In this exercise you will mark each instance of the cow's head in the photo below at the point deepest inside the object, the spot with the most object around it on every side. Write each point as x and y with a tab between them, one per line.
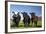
24	14
32	14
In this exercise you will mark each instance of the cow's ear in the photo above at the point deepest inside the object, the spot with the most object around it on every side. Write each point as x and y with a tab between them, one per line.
21	12
12	12
30	13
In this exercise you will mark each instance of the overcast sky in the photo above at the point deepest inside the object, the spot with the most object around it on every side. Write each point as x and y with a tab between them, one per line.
26	8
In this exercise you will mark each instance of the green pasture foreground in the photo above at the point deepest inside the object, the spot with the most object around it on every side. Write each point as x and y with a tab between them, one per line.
21	24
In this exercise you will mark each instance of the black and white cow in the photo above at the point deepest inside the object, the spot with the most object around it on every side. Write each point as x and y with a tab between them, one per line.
26	19
16	18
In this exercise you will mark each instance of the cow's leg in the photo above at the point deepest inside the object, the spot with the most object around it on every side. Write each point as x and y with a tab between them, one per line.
16	24
26	24
32	23
29	23
36	23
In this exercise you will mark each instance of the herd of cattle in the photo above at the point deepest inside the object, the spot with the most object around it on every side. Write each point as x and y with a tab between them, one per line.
26	20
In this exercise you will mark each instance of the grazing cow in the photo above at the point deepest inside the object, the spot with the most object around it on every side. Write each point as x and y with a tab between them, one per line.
34	18
26	19
16	19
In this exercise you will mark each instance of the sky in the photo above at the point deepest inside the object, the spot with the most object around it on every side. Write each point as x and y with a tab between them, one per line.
26	8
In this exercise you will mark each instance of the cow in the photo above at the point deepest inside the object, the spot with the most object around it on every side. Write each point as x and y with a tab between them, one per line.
16	18
26	19
34	18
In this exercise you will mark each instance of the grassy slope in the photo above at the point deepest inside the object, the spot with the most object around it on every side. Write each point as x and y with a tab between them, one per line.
21	24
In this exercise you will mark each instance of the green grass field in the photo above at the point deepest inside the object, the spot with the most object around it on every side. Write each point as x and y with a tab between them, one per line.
21	24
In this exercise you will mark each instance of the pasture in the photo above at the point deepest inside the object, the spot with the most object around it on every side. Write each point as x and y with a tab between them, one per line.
21	24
